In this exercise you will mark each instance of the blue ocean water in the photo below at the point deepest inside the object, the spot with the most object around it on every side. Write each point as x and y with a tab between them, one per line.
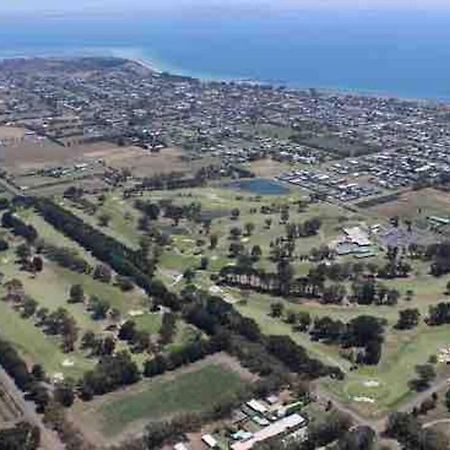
397	54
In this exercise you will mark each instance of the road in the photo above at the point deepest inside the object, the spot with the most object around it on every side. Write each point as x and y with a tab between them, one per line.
8	187
49	439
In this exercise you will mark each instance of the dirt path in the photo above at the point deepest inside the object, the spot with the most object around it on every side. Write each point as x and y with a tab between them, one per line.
436	422
49	439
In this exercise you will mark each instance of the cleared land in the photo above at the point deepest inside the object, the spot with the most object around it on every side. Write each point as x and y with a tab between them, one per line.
186	390
415	205
11	133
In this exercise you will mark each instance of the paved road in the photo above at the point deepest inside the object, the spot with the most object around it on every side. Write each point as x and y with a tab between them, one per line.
8	187
49	439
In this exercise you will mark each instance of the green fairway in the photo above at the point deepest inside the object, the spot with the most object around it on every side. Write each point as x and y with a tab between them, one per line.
36	347
122	219
52	236
188	392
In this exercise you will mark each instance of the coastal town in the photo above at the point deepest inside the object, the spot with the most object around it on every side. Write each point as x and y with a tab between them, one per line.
189	264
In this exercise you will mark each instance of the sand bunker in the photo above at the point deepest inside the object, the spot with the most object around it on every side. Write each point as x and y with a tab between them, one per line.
58	377
67	363
363	400
371	383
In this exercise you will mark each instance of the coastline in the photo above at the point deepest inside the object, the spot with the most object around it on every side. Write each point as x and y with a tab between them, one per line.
138	56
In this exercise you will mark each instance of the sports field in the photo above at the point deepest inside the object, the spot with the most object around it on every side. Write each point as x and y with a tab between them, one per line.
187	390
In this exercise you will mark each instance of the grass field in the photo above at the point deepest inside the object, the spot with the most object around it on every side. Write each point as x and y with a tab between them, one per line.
188	390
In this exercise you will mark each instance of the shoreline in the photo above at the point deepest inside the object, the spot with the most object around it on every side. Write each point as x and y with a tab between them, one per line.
137	56
329	91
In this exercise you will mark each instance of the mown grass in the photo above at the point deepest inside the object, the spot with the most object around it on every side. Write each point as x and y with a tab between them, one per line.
153	400
38	348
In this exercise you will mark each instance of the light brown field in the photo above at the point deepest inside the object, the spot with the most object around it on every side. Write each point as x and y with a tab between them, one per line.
38	153
414	204
268	168
11	133
142	163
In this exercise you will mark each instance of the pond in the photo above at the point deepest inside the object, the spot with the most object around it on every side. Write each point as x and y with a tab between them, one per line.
260	186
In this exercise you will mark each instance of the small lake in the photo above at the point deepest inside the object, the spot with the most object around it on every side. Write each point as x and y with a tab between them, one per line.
260	186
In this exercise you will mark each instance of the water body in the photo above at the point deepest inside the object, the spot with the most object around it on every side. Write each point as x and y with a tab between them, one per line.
260	186
397	54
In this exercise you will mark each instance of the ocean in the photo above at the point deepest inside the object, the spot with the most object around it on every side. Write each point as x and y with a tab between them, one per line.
389	54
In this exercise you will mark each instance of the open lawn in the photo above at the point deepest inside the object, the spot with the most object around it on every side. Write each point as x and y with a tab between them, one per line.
187	390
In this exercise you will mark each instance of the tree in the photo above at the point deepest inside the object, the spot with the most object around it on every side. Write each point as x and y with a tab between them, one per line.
168	328
37	264
76	294
127	331
447	400
303	320
235	213
249	228
285	274
189	275
14	290
125	284
64	393
155	366
99	307
235	233
276	309
23	436
104	220
405	428
408	319
102	273
256	253
23	252
204	262
359	438
426	373
284	216
29	307
89	340
38	372
213	241
3	245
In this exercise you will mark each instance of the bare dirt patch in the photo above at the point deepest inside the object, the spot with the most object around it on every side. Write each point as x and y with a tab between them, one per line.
11	133
144	163
414	204
268	168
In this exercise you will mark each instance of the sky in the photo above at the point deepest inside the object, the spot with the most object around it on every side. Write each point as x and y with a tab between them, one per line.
167	6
